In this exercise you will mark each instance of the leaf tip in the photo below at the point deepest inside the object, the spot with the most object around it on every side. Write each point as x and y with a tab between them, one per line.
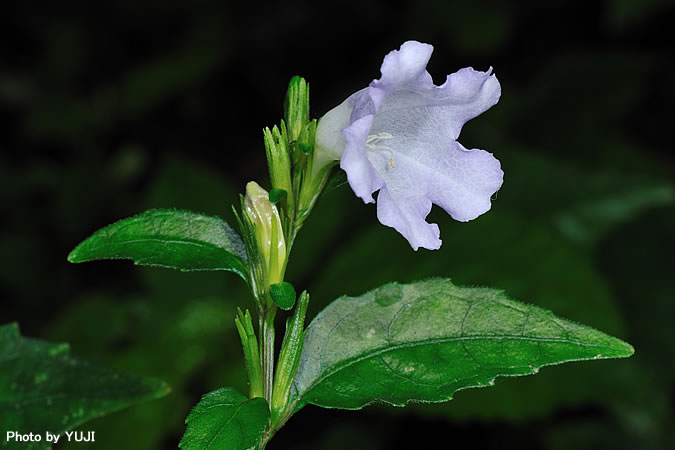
164	389
73	256
614	349
624	350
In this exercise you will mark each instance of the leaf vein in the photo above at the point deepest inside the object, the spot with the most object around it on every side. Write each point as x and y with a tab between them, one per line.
380	351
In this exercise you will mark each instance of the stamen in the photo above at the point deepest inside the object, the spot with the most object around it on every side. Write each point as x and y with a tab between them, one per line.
372	144
373	139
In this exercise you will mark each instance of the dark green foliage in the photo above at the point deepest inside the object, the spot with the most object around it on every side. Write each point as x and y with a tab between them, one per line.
43	388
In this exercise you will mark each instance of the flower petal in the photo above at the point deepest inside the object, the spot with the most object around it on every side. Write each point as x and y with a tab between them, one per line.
401	139
465	95
406	66
361	175
406	215
418	172
476	177
330	142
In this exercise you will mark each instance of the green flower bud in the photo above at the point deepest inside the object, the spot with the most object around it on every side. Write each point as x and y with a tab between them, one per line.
268	232
279	161
296	106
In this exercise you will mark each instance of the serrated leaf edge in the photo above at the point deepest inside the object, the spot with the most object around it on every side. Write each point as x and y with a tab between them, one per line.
239	257
627	349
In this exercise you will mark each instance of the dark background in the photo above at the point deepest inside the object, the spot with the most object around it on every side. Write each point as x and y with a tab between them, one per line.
111	108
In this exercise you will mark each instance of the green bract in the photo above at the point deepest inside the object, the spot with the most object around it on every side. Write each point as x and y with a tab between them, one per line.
279	162
283	295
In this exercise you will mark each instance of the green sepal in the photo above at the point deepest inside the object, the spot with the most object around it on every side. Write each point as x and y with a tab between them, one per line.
424	341
289	357
277	196
256	274
296	106
225	419
168	238
336	180
307	137
44	388
283	295
311	177
249	342
311	190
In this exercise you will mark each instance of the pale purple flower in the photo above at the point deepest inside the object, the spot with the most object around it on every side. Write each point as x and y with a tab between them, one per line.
399	136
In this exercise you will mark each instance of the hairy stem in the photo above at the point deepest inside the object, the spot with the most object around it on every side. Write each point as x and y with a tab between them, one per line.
267	350
266	323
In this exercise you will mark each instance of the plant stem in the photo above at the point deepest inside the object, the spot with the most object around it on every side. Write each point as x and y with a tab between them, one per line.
267	350
266	324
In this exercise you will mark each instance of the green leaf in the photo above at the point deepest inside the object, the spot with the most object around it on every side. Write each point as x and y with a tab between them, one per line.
495	249
43	388
173	335
283	295
168	238
424	341
225	419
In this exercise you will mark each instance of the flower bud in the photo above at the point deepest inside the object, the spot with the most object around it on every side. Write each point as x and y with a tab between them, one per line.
268	231
296	106
278	158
